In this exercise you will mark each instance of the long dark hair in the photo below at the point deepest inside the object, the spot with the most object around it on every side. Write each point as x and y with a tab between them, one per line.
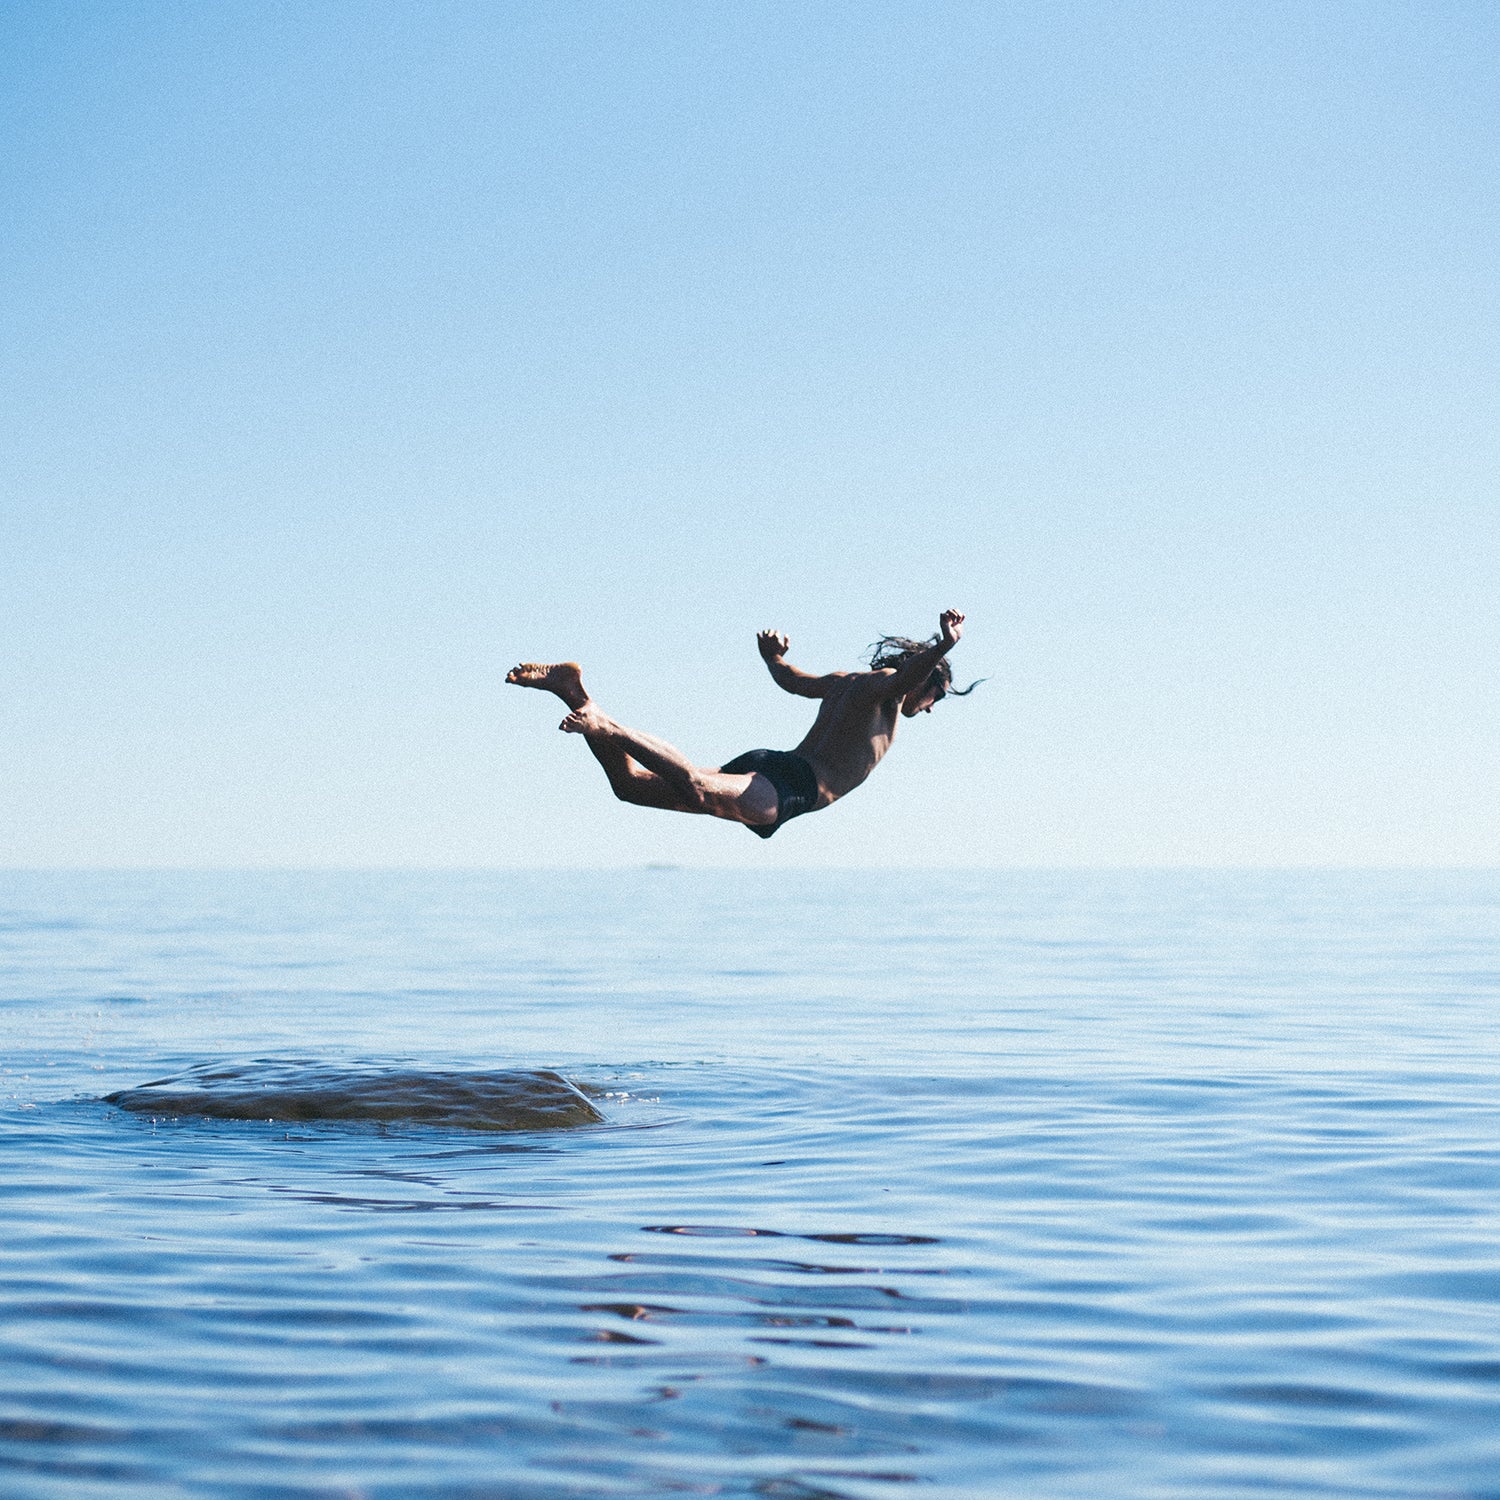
893	650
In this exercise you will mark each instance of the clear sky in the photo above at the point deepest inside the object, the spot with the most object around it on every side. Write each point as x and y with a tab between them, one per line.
353	351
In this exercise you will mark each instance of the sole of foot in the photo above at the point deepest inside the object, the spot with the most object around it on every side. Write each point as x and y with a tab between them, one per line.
565	678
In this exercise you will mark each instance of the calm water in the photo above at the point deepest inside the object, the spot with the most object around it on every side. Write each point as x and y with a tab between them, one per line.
930	1185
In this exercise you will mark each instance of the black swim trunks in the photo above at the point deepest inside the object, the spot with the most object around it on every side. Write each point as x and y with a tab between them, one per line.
795	781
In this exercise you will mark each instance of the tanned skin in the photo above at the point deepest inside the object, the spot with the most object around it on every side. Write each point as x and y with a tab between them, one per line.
858	713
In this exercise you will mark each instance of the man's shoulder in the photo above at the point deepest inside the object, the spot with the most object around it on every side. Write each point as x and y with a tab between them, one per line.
873	685
876	677
863	698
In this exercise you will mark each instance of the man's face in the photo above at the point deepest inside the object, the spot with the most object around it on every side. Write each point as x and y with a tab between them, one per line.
920	700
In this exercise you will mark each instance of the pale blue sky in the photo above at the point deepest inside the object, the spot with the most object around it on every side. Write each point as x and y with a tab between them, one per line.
354	351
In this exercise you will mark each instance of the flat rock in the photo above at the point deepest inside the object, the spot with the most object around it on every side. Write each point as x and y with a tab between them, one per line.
307	1092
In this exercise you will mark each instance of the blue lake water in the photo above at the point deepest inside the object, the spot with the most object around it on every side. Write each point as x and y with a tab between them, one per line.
874	1185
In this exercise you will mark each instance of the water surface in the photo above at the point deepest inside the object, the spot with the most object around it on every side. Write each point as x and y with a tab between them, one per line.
932	1184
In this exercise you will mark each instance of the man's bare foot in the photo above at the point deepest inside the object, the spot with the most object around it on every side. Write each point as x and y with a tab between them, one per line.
586	719
565	678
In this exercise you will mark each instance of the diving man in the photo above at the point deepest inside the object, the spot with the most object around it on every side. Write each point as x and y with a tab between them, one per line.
857	717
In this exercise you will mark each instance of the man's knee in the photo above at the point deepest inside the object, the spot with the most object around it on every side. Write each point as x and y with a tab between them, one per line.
642	789
629	788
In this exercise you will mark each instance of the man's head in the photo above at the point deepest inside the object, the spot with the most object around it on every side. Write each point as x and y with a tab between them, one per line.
893	650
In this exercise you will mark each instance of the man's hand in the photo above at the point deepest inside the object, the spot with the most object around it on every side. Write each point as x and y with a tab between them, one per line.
951	626
773	645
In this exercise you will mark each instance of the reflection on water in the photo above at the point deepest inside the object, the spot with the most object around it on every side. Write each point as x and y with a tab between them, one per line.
309	1092
935	1262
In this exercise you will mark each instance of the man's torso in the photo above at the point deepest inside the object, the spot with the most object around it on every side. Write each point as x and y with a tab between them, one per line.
851	734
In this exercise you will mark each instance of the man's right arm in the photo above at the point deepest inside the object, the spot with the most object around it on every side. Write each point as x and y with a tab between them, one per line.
773	648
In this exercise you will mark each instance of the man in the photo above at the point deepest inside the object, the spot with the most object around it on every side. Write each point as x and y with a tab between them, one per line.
856	723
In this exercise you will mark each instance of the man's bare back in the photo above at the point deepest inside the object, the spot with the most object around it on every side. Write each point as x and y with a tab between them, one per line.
858	714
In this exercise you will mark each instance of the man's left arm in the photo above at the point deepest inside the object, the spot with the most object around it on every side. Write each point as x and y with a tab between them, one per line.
915	670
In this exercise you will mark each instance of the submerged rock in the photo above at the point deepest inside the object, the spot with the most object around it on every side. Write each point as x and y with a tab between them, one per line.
307	1092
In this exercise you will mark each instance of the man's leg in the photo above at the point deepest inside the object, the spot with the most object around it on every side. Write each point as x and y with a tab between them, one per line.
631	782
741	797
643	769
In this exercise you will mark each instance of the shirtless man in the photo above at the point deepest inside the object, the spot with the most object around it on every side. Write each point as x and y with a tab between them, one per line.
856	723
